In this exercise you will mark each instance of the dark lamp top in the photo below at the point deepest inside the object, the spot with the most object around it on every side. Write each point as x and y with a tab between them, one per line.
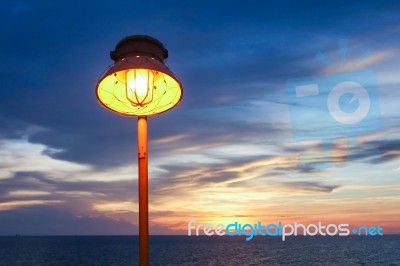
139	45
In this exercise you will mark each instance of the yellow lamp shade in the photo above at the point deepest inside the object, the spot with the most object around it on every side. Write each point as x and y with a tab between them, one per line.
139	85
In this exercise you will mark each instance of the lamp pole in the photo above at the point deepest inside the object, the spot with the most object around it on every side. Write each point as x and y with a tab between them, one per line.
143	191
140	84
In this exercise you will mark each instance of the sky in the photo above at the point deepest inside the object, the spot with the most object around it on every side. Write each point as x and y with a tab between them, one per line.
243	144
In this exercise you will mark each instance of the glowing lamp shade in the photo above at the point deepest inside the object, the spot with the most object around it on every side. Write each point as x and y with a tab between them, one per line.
139	83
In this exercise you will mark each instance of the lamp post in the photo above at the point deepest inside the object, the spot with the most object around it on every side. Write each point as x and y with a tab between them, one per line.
140	84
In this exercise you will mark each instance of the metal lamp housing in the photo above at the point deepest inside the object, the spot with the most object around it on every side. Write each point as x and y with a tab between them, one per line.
138	54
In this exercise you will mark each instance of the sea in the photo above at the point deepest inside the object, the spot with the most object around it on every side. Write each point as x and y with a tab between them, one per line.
200	250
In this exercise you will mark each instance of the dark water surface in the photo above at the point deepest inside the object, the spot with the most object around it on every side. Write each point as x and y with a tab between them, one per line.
184	250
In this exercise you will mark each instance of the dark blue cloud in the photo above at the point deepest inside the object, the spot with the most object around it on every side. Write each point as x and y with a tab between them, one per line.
53	53
57	220
63	190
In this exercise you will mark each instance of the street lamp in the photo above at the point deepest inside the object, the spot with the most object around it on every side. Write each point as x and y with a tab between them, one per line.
140	84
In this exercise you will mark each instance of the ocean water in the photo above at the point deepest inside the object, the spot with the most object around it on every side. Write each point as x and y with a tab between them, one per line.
201	250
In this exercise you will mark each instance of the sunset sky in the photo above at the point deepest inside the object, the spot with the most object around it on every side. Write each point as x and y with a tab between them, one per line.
232	150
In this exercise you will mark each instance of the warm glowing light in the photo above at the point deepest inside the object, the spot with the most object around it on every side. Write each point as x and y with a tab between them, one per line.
139	86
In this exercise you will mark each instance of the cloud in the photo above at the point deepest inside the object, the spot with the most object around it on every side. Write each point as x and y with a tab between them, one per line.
16	129
388	149
57	220
309	186
64	189
214	64
70	207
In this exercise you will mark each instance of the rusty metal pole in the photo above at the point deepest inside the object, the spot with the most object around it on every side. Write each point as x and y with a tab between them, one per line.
143	192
